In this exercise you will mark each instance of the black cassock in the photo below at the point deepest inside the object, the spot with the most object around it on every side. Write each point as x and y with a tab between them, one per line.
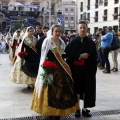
83	71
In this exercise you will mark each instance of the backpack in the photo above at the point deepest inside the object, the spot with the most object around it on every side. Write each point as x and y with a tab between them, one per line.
115	43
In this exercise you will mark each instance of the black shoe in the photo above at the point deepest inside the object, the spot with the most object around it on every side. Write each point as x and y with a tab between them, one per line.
77	114
102	68
106	71
50	118
28	86
57	118
86	113
115	70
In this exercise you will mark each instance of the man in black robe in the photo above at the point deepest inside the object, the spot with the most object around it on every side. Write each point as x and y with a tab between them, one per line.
82	59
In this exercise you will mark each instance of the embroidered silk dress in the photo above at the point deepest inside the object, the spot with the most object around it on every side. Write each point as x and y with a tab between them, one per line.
58	98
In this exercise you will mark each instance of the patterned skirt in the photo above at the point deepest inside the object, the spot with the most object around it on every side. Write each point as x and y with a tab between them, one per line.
18	76
58	98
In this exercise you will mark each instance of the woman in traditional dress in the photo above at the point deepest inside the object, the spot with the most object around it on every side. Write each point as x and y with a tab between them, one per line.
54	97
25	68
15	39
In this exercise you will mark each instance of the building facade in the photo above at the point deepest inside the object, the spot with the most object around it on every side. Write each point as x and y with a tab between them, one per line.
69	12
99	13
43	11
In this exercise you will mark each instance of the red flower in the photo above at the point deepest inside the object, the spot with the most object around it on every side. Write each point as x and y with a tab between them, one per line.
13	46
22	54
49	66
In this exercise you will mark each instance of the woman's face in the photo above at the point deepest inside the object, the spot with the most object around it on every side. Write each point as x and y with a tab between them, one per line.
30	32
57	32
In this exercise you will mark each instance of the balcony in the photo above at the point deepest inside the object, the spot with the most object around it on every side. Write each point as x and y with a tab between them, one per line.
88	7
105	18
96	5
96	19
81	9
115	16
105	2
5	1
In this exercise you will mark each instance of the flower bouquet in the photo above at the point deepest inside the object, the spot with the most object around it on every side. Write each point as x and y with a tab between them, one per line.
49	68
23	54
13	47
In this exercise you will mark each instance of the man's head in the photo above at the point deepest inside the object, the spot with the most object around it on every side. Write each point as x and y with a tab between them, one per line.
109	29
70	32
38	29
45	30
82	28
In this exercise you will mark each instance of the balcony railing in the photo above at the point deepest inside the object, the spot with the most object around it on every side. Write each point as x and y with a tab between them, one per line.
96	5
105	18
81	9
96	19
88	7
115	16
105	2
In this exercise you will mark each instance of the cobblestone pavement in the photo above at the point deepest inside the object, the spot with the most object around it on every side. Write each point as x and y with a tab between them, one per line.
15	100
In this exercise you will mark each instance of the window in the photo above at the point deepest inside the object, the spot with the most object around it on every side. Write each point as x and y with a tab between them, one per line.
81	16
115	15
105	15
88	17
72	9
66	9
81	6
95	29
66	18
115	28
14	8
105	2
116	1
96	16
20	8
72	18
96	4
88	7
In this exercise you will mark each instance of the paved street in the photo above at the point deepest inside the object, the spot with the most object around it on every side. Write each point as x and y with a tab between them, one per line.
15	100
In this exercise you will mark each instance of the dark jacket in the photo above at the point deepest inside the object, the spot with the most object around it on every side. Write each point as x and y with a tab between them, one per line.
84	76
38	34
39	44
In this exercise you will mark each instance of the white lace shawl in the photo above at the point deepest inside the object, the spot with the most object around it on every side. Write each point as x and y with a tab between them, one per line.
44	51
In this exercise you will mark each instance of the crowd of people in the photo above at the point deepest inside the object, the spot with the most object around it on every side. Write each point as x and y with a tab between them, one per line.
60	67
107	41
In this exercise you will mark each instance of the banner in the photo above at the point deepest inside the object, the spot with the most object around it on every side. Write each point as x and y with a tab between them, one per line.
60	20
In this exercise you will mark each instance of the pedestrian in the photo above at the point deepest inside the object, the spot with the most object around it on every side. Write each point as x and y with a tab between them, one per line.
82	59
54	94
115	51
13	46
25	68
106	42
